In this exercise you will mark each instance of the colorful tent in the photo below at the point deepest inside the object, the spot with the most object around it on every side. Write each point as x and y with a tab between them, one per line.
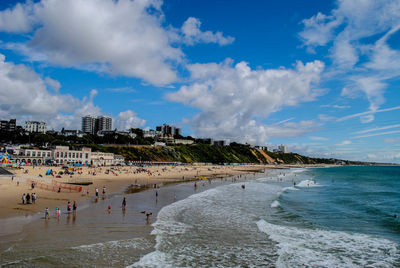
4	158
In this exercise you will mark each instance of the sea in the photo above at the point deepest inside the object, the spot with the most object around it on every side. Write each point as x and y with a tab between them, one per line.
300	217
331	217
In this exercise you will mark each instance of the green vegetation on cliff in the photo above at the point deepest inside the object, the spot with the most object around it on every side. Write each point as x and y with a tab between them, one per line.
234	153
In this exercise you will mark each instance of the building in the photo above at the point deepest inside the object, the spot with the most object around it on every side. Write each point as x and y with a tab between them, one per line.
283	149
263	148
204	141
219	143
35	126
94	124
67	132
181	141
104	123
151	133
33	156
102	159
63	155
8	125
168	130
101	133
89	124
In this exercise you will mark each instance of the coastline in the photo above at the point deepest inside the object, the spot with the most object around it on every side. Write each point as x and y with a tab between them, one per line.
115	182
12	210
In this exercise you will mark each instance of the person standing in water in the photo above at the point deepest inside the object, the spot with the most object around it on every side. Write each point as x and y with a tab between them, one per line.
69	207
46	213
74	207
124	203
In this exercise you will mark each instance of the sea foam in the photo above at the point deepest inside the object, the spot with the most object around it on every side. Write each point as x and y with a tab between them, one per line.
322	248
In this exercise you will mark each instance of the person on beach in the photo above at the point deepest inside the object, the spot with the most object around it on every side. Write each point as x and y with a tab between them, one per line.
69	207
97	192
46	213
58	212
28	198
33	198
74	207
124	203
104	190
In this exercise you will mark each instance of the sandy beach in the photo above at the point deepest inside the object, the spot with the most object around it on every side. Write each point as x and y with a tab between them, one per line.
114	179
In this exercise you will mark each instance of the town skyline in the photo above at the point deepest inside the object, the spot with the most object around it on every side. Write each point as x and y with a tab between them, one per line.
314	75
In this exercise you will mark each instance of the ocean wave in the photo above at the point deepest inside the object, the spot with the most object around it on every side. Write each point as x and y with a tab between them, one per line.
275	204
321	248
114	244
308	183
298	170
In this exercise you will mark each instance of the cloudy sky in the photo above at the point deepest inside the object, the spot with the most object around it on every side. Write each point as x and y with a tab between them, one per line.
319	76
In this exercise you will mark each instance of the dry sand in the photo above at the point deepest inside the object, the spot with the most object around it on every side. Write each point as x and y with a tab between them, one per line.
116	180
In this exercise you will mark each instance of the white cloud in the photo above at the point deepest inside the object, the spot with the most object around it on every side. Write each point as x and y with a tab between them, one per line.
22	91
192	34
391	140
234	98
345	142
127	120
363	114
360	59
336	106
379	134
316	138
377	129
18	19
116	37
121	89
25	95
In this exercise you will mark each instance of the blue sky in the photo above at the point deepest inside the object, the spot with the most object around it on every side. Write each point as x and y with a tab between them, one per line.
314	75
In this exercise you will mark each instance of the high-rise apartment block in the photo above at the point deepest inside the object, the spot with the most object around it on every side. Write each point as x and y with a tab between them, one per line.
283	148
168	130
93	124
35	126
8	125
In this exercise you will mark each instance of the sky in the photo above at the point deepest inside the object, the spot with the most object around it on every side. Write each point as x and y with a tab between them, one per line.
319	76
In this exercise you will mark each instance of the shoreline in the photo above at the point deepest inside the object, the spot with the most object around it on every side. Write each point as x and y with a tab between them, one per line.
10	193
16	215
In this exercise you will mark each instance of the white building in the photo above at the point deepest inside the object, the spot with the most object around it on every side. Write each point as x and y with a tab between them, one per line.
181	141
63	155
151	133
283	148
102	159
35	126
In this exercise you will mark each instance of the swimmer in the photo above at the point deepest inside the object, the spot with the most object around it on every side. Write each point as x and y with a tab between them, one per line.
243	186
